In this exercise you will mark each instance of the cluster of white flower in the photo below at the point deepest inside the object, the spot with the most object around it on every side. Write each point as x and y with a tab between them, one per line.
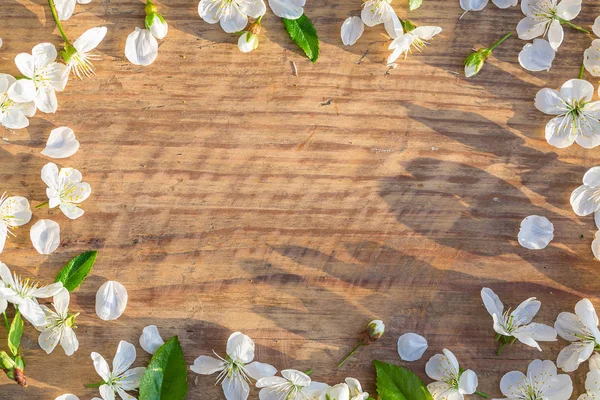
404	34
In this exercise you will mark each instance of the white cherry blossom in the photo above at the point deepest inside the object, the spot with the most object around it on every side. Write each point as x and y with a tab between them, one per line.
450	381
24	294
585	199
13	115
541	382
341	391
375	12
121	379
545	17
79	56
232	14
65	189
417	38
517	324
581	329
292	385
14	212
43	78
237	369
59	325
576	115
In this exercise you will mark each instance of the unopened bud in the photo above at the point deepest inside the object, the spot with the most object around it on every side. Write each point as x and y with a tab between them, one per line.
248	42
157	25
474	62
376	328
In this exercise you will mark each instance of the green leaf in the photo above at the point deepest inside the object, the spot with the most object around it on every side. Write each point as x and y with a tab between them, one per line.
5	361
15	333
166	375
304	34
76	270
397	383
414	4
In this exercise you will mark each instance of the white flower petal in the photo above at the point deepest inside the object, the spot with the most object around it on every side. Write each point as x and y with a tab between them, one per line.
141	47
411	346
209	10
376	12
536	232
3	235
426	32
393	27
534	332
106	392
258	370
586	312
235	388
68	341
206	365
290	9
577	90
43	54
22	91
61	143
492	302
584	200
131	379
150	340
101	366
571	356
592	177
596	244
505	3
511	383
467	384
269	381
560	132
45	236
90	39
555	34
549	101
64	9
47	291
537	56
67	396
530	28
568	9
14	118
233	20
111	300
45	100
352	30
49	339
124	358
256	8
525	312
442	367
296	377
592	381
473	5
569	326
240	347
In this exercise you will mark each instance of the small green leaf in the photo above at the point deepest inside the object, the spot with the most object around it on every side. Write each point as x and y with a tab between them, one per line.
166	375
304	34
76	270
15	333
414	4
397	383
5	361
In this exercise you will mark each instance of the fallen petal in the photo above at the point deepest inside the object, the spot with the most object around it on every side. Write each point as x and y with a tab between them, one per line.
411	346
536	232
61	143
111	300
537	56
45	236
150	339
352	30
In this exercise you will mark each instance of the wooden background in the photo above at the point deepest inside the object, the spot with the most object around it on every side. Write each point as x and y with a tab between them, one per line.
228	194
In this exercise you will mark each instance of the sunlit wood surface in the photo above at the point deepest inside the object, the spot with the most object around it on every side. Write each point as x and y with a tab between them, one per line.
229	194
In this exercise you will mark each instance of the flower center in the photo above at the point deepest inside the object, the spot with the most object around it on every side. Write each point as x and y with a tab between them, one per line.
5	104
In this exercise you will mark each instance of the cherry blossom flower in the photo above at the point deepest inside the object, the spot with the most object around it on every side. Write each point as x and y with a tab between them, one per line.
24	294
155	22
65	8
121	379
43	78
356	392
537	56
293	385
237	369
536	232
411	346
517	324
451	382
289	9
141	47
232	14
541	382
352	30
14	212
65	189
79	56
13	115
576	115
545	17
340	391
151	340
581	329
111	300
375	12
411	37
59	325
45	236
61	143
584	199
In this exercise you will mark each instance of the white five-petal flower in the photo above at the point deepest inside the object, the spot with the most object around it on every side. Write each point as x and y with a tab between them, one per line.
544	17
79	56
237	369
24	294
13	115
541	382
65	8
450	383
581	329
45	236
518	323
536	232
14	212
43	77
375	12
141	47
232	14
121	379
151	339
59	325
417	38
292	385
65	189
577	117
341	391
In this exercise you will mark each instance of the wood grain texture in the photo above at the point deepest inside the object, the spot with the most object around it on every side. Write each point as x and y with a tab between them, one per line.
229	194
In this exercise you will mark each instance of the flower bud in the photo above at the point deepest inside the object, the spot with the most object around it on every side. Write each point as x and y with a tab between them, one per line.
474	62
595	362
248	42
157	25
376	329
